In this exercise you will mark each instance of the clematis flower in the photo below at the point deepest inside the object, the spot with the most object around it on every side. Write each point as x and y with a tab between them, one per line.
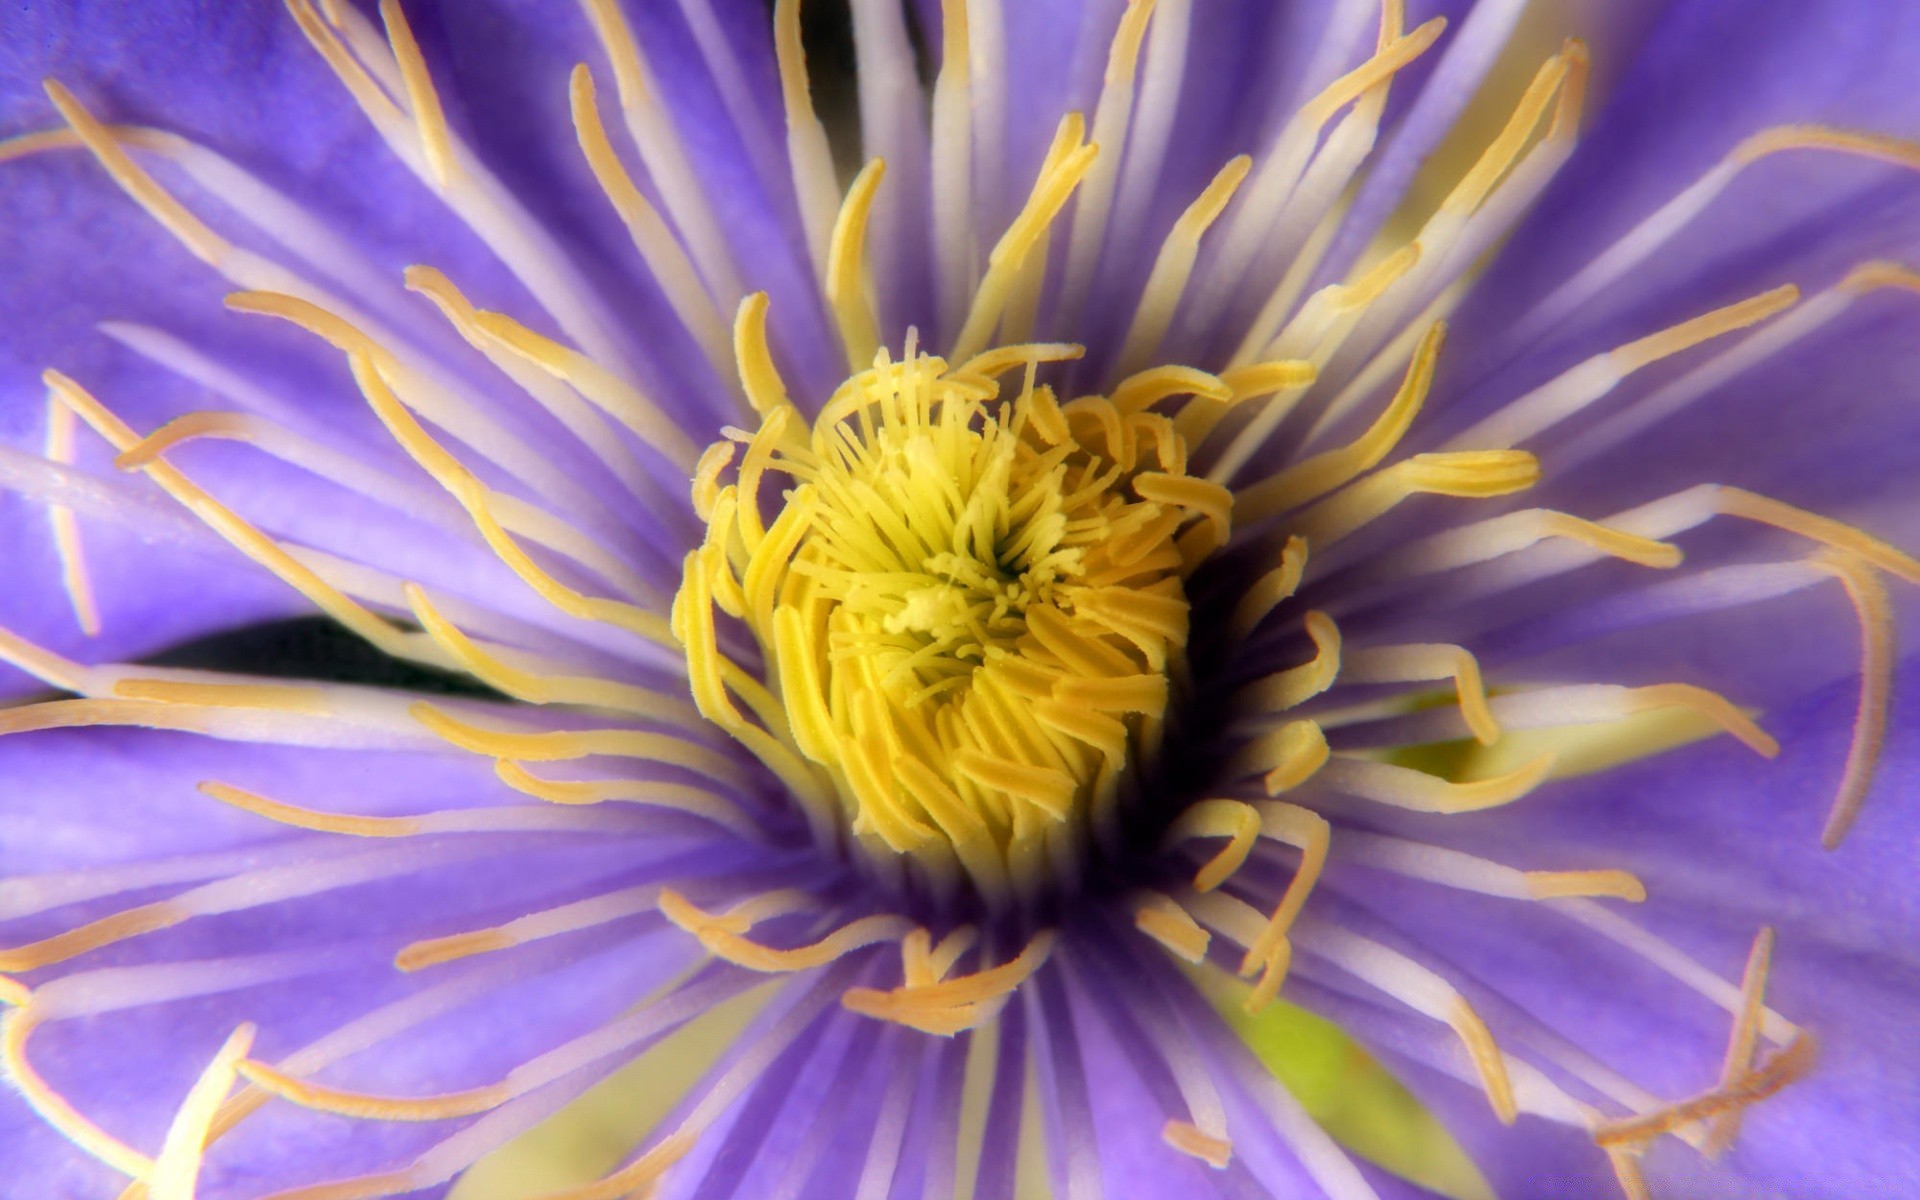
1195	505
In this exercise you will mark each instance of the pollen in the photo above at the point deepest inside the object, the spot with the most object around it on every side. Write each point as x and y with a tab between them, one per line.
969	598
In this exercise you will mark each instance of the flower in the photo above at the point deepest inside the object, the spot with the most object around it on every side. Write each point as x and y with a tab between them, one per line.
1124	521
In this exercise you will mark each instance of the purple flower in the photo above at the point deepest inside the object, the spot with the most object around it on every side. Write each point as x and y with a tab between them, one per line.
1312	490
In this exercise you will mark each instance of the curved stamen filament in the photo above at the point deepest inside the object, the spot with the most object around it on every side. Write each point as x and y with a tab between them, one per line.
369	1107
847	285
1235	820
53	1108
74	577
177	1168
1056	184
1417	791
436	143
708	802
728	943
1174	265
1419	663
1877	659
1286	757
1308	832
1644	239
241	535
1270	589
1477	475
539	687
951	1006
1315	477
559	745
1166	921
1791	1063
1296	685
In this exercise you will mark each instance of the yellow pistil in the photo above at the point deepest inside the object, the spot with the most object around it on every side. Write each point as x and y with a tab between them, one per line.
969	601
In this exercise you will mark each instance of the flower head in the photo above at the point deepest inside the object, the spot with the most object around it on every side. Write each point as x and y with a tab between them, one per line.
995	614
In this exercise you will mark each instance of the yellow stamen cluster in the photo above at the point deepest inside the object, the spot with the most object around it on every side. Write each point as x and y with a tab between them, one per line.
968	604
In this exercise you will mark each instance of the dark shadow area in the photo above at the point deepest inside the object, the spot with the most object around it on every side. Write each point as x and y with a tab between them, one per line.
314	648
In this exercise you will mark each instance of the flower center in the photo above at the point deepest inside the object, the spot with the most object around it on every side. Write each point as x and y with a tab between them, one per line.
968	607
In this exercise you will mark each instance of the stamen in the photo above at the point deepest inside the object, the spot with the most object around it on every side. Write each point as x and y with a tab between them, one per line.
947	954
1416	791
1163	919
659	247
582	419
1513	532
1420	663
922	963
1643	240
758	375
1791	1063
953	1006
1427	993
1291	161
1743	1041
1877	659
55	1109
734	948
1296	685
848	289
952	127
477	499
177	1169
660	150
1626	1172
1111	116
1267	592
1289	756
143	714
1068	162
1738	502
314	457
66	526
1142	390
435	143
1186	1137
294	698
712	805
1675	963
1505	148
536	687
1572	391
45	665
193	233
1451	868
1235	820
561	745
368	1107
1315	477
221	520
306	818
545	923
808	151
1308	832
614	395
1476	475
1171	268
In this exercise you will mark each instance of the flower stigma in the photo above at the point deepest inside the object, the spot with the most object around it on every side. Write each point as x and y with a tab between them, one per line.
970	603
